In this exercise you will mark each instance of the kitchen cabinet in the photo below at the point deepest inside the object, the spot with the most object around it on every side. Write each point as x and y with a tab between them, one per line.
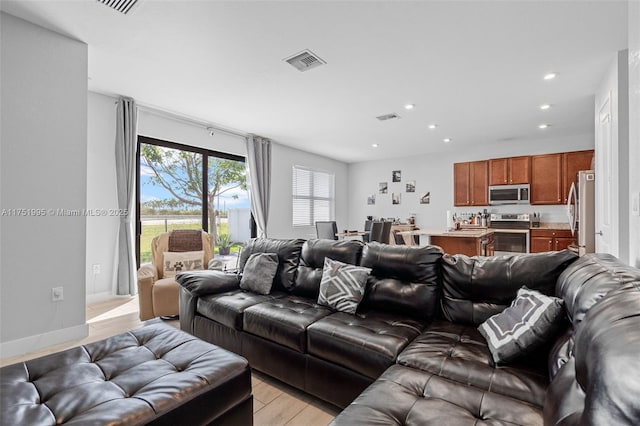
546	179
461	189
552	175
471	183
550	240
510	171
572	163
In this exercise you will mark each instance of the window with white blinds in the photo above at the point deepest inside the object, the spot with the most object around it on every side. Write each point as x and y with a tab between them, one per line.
313	196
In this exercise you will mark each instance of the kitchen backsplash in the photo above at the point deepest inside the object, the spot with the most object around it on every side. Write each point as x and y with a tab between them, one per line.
548	213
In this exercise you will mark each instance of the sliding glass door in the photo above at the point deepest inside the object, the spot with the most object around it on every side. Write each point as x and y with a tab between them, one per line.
183	187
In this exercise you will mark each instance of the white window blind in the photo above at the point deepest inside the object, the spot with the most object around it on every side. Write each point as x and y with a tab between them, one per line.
313	196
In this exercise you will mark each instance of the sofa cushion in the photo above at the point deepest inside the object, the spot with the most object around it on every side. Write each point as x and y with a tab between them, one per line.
530	321
560	352
475	288
342	285
284	321
365	343
288	252
607	358
259	272
458	352
404	396
228	308
589	279
309	274
404	280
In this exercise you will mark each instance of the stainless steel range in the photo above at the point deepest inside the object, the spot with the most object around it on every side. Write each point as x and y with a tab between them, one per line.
511	232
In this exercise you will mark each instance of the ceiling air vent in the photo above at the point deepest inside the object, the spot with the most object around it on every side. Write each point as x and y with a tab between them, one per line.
305	60
386	117
122	6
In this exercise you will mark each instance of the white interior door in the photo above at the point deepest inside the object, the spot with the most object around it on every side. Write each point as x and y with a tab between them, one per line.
606	178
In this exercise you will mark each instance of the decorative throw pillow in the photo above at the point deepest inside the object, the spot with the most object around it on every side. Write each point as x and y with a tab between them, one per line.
174	262
342	285
258	272
532	319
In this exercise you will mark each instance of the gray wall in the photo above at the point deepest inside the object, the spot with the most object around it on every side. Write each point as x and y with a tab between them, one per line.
43	166
634	132
434	173
280	215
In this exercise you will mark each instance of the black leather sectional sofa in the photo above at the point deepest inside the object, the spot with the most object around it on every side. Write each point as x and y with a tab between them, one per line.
412	354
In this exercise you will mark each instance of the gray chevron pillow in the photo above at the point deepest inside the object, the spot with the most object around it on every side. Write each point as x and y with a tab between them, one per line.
531	320
342	285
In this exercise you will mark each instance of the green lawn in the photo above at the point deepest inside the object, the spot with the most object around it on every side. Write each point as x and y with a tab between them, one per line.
150	231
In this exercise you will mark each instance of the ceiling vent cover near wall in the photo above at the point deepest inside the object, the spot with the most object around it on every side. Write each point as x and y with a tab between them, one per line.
305	60
122	6
386	117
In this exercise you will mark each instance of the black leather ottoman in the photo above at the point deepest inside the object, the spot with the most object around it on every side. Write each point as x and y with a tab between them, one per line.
154	375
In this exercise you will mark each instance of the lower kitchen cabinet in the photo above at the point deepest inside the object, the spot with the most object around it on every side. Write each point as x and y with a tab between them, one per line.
550	240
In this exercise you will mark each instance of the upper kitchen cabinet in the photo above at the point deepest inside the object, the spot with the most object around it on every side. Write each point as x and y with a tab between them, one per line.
552	175
546	179
510	171
572	163
471	183
461	188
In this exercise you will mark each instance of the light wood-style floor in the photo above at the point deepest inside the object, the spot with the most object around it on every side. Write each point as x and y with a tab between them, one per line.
274	403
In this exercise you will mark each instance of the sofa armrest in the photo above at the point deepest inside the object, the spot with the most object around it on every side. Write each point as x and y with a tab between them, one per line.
146	277
201	283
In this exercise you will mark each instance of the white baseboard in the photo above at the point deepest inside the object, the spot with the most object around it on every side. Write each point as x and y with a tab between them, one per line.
43	340
100	297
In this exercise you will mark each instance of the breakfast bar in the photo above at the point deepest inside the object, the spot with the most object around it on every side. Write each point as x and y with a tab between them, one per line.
472	242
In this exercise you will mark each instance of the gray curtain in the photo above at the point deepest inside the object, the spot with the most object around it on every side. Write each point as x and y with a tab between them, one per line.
259	174
126	136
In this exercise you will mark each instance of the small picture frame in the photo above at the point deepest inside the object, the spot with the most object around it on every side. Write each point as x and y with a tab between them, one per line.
396	198
371	200
396	176
411	186
425	198
383	187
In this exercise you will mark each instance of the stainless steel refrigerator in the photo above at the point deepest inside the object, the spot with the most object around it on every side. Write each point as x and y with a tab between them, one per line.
581	207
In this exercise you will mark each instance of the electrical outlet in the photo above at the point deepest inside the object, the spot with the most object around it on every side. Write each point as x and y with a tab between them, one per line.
57	294
96	269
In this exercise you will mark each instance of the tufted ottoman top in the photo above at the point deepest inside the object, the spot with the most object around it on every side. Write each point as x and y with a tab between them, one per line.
132	378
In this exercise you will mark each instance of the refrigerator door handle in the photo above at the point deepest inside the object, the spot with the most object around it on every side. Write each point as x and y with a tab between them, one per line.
571	212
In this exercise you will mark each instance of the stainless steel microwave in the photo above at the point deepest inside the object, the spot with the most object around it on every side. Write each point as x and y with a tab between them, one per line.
509	194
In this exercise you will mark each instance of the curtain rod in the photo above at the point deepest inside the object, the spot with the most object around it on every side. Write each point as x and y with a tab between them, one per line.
190	120
180	117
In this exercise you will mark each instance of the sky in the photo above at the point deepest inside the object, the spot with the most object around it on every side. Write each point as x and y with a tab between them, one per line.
157	192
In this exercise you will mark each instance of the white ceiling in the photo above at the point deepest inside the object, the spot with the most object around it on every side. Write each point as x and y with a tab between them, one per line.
473	67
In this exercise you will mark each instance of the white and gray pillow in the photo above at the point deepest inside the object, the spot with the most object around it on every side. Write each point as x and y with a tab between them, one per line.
259	272
175	262
531	320
342	285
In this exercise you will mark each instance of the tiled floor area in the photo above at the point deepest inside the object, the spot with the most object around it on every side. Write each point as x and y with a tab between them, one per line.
274	403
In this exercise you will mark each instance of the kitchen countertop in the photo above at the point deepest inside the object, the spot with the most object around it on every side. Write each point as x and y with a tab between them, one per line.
440	232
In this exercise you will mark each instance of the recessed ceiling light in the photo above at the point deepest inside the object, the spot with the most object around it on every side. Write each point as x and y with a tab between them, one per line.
409	106
545	106
433	126
550	76
543	126
375	145
446	140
